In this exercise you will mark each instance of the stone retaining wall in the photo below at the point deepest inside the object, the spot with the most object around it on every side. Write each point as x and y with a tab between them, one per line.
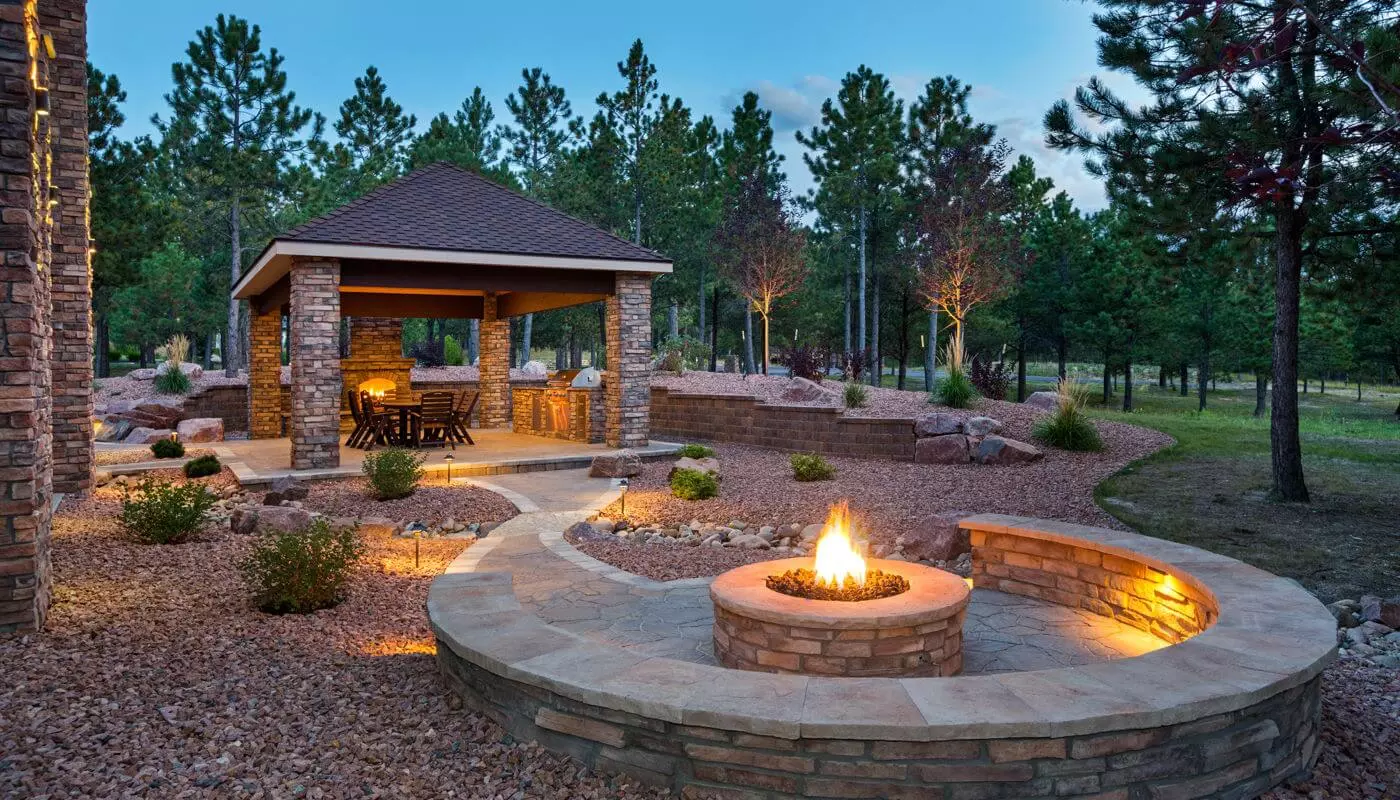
1237	755
744	420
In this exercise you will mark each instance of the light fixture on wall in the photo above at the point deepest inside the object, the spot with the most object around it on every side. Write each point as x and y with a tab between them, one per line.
49	49
41	101
53	197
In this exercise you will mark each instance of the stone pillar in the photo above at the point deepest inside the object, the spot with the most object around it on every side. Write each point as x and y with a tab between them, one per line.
315	363
628	381
71	280
265	374
26	469
494	406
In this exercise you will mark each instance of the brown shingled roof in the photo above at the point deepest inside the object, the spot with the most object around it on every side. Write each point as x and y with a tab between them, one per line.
445	207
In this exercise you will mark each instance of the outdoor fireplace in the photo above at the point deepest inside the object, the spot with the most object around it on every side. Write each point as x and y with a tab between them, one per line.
379	388
838	613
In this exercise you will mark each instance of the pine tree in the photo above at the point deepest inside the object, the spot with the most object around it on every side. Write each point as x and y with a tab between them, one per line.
541	131
234	121
855	157
374	135
631	110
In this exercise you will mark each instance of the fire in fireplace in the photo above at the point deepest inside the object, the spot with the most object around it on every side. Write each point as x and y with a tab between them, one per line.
838	568
379	388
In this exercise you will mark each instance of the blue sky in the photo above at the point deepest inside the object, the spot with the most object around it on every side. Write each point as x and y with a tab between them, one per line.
1019	55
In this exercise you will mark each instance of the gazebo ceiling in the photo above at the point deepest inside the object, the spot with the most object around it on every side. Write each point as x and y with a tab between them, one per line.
431	243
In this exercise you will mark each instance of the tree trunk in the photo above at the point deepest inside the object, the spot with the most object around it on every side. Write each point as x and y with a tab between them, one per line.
765	343
1021	367
749	366
1062	353
527	333
1322	383
1202	379
1358	390
102	364
207	356
1261	393
231	337
1107	380
875	331
931	351
846	342
860	288
700	308
1305	386
714	328
600	345
1285	447
673	320
1185	378
1128	385
148	355
474	341
560	358
1162	377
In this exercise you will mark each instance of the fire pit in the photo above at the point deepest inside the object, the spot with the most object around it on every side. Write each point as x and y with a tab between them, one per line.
837	614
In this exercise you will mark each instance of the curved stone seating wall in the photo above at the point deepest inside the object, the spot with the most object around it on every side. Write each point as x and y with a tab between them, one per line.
1226	713
1032	558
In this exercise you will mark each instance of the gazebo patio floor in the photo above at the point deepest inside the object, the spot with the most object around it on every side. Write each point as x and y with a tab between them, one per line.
497	451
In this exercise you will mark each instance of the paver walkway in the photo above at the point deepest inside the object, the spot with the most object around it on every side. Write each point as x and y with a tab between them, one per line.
576	593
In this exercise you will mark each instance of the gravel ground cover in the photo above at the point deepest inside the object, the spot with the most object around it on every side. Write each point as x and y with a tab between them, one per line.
127	455
156	678
673	562
430	504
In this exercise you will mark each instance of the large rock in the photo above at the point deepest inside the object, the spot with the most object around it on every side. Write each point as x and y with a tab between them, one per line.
534	369
282	518
147	435
244	520
586	532
285	488
938	538
698	464
949	449
938	425
114	430
981	426
202	429
1047	401
802	390
143	374
621	464
164	411
192	371
1386	612
997	450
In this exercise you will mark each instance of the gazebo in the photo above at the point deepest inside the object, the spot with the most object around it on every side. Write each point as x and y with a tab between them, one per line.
440	242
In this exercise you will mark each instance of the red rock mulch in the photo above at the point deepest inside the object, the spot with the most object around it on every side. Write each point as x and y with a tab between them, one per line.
432	503
156	678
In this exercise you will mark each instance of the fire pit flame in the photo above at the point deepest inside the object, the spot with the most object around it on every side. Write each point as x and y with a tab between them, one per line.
837	560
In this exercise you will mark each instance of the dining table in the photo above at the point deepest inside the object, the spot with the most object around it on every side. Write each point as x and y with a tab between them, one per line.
406	409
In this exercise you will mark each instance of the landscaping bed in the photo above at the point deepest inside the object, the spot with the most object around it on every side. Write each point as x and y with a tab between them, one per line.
155	677
431	504
128	455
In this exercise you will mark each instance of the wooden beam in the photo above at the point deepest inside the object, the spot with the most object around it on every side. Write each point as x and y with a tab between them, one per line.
409	306
429	277
279	295
518	304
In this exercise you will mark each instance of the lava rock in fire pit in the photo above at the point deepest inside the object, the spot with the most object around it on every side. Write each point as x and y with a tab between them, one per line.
803	583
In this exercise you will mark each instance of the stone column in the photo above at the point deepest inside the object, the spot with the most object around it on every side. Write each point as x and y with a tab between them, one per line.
315	363
494	360
26	406
628	382
265	374
71	280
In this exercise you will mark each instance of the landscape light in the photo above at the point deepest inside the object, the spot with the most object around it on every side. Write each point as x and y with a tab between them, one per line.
449	459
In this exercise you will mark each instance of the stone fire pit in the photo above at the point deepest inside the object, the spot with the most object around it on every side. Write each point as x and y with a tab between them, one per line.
915	633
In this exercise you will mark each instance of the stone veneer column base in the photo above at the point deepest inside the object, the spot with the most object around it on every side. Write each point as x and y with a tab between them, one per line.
316	387
494	361
265	374
628	383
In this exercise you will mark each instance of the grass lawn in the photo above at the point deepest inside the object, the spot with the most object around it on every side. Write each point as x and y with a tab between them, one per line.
1211	488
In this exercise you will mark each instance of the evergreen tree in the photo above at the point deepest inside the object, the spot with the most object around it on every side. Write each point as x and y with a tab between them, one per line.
374	135
235	124
631	111
541	131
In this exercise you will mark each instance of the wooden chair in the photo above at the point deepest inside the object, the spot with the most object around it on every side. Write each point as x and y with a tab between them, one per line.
379	425
462	417
434	422
358	415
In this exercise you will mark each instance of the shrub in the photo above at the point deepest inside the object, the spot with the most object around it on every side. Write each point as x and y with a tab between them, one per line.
428	354
811	467
393	473
956	389
695	451
452	351
203	466
167	448
1067	427
160	512
174	380
693	484
297	572
679	353
854	395
805	362
991	378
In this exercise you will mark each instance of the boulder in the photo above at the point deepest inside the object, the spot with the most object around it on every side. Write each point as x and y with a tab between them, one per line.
114	430
938	425
202	429
1390	612
997	450
586	532
1046	401
938	537
377	526
244	520
192	371
535	369
147	436
143	374
282	518
621	464
950	449
749	541
285	488
981	426
802	390
811	532
698	464
157	412
101	478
